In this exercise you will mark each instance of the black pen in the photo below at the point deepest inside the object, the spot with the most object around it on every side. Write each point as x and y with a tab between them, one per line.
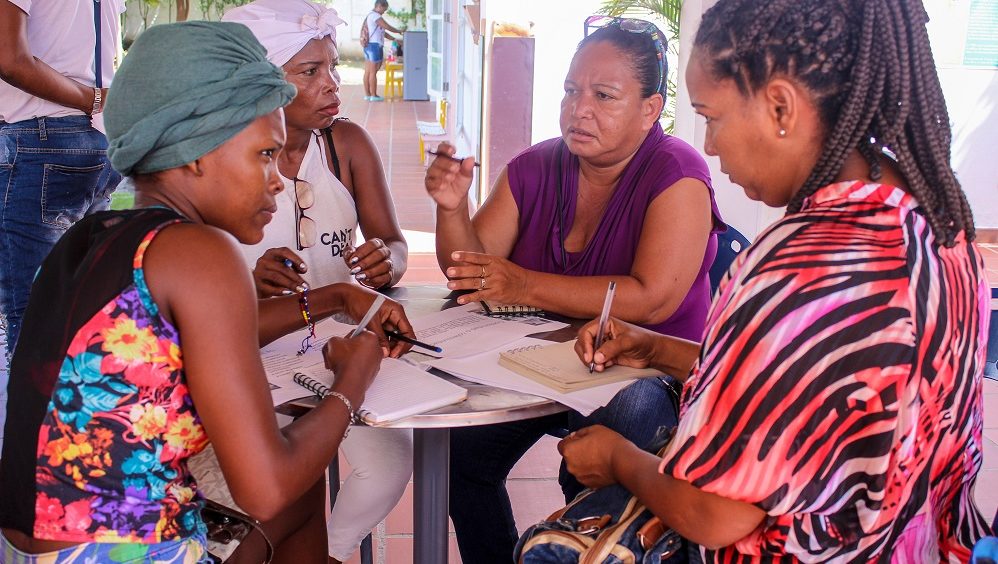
400	337
455	159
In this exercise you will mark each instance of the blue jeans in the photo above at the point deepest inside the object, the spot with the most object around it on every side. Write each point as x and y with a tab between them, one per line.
53	171
482	457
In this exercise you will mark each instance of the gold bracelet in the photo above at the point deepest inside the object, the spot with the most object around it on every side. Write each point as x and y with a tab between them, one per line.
349	406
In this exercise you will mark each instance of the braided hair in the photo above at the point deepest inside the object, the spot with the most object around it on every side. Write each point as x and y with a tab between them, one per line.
640	52
869	69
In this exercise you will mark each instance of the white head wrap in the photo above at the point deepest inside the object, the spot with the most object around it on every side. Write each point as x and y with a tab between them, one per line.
285	26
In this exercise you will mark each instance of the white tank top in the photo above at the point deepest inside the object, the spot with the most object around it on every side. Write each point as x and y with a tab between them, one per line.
335	216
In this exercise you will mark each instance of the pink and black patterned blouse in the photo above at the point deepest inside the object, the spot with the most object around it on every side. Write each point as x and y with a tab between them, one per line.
839	386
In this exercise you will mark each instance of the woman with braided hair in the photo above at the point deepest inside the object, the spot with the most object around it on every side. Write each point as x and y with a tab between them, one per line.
833	410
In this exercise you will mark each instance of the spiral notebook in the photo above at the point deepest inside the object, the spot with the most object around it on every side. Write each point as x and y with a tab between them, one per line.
399	390
558	367
497	309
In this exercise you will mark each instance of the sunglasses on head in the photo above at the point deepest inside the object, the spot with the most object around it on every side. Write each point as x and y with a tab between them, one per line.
635	26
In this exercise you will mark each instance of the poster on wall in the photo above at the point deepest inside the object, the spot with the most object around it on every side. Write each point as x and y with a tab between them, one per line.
964	33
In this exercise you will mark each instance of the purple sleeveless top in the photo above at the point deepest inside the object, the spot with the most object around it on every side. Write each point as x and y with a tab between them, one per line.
538	174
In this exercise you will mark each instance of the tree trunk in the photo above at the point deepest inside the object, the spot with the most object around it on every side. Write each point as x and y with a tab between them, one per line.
183	8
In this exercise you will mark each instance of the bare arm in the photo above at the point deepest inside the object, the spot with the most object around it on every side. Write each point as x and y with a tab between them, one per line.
387	26
670	253
364	176
197	276
598	457
19	68
495	225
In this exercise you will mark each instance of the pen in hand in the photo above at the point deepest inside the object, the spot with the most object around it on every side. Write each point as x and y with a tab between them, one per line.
604	316
455	159
400	337
368	316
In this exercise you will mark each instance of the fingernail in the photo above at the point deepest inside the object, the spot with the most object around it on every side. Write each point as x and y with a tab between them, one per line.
355	270
286	292
299	289
303	267
461	300
354	260
451	272
454	255
361	276
451	285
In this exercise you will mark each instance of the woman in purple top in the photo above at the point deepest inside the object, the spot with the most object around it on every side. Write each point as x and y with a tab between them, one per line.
614	198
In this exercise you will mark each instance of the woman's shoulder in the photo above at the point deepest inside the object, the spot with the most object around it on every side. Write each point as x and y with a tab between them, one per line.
537	156
672	153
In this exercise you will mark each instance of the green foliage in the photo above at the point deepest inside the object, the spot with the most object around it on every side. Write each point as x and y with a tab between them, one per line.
213	9
410	18
668	11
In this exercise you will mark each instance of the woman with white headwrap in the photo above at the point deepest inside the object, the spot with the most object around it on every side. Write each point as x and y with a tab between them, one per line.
329	186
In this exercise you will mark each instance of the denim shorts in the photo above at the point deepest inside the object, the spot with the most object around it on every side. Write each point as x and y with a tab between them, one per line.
374	52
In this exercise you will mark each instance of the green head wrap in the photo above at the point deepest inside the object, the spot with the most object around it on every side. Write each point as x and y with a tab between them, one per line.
183	90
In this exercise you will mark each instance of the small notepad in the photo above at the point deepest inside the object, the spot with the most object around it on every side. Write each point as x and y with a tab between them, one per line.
558	367
493	308
399	390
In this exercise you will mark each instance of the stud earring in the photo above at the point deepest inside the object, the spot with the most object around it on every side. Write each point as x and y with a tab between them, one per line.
782	132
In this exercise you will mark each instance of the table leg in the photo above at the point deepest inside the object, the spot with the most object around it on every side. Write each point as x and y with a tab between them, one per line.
431	475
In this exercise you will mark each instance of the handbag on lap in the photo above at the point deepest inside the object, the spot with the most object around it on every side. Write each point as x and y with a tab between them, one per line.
603	526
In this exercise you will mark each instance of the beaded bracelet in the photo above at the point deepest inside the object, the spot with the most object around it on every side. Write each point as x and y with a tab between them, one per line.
349	406
309	321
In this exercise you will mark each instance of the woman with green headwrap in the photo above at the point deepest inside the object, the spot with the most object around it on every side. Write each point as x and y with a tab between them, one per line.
144	331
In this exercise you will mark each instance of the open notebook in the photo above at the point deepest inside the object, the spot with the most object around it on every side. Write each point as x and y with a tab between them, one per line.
558	367
399	390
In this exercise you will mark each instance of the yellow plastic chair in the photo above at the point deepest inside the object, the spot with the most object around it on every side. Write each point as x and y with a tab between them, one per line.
393	79
432	130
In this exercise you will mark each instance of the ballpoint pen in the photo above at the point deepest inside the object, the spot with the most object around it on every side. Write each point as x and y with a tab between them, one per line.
455	159
400	337
603	317
369	315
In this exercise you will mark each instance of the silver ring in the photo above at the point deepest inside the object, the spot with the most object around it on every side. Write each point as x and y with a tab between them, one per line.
482	285
484	274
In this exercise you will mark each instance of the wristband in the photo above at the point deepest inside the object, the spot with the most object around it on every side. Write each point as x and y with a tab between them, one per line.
98	102
349	406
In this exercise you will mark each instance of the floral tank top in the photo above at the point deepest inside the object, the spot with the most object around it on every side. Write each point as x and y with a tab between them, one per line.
101	421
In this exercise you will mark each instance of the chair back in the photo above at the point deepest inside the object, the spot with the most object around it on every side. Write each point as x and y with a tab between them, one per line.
729	244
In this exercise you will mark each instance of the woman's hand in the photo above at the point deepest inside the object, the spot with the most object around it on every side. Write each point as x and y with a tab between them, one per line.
491	277
371	263
589	455
390	317
273	277
623	344
448	179
355	361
